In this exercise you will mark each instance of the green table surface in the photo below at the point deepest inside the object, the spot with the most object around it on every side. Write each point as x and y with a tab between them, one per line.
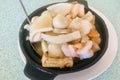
11	18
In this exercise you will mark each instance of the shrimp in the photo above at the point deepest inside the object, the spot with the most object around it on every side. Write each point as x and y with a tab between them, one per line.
69	50
81	10
78	9
78	50
86	51
74	11
87	54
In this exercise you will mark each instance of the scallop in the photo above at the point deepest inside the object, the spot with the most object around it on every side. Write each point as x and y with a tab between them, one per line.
60	21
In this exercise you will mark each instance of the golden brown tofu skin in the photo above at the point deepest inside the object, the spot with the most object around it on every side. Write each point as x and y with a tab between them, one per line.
56	62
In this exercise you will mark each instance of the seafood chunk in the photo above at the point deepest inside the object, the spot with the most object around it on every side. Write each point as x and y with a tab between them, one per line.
87	54
42	22
54	50
78	9
84	26
34	18
86	51
90	17
60	21
69	50
35	36
61	8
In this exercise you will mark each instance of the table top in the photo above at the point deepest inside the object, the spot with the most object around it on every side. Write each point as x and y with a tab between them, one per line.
11	18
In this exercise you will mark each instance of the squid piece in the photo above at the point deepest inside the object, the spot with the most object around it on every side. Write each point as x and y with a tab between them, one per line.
61	31
42	23
35	36
34	18
44	46
38	48
61	38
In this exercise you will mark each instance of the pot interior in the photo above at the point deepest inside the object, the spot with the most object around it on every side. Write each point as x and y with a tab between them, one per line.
35	59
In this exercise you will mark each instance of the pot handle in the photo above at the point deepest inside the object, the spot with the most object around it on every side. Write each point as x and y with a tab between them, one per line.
35	73
80	1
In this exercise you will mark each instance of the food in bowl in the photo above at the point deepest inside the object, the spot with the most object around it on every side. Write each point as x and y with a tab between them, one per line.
64	32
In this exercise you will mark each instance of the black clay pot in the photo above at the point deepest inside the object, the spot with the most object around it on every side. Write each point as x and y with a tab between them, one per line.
34	69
